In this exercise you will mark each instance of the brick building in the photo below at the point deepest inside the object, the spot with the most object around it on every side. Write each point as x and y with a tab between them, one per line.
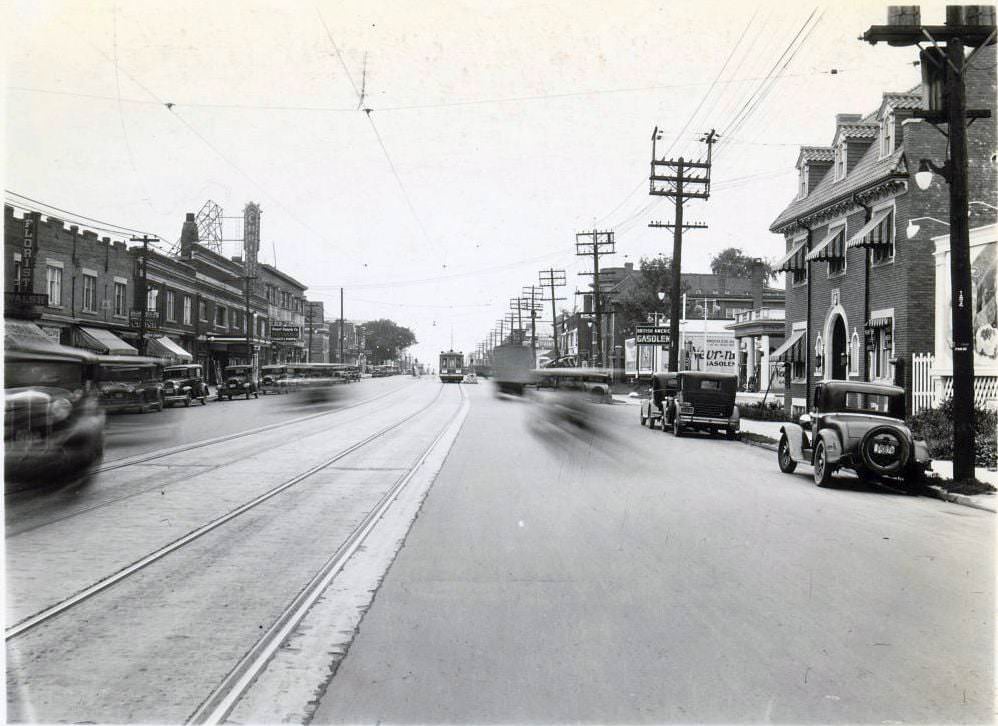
353	342
860	292
84	282
285	299
316	332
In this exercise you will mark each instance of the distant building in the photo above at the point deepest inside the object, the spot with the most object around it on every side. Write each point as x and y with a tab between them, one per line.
316	332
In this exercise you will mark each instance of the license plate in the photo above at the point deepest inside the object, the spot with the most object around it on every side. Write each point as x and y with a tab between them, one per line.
883	449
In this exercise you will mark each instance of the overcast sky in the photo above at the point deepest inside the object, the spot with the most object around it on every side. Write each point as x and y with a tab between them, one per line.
496	131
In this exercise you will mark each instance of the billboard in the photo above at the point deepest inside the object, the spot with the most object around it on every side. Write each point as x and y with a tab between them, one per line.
285	333
711	352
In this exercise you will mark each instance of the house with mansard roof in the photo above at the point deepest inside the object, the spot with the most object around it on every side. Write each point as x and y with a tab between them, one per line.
860	281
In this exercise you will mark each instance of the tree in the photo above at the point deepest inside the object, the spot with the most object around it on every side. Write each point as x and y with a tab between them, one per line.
637	301
385	339
732	262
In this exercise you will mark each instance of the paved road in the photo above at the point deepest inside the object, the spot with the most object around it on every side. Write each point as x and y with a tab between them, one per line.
664	580
152	647
128	434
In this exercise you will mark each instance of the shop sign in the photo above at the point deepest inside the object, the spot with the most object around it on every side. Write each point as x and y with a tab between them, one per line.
283	333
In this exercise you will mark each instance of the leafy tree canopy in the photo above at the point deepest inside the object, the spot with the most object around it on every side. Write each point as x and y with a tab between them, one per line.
385	339
638	300
732	262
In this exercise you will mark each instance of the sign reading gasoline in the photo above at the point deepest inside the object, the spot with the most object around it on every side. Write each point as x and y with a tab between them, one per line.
718	356
651	335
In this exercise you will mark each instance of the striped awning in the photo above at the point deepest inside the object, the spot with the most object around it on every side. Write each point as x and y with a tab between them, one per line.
794	259
163	347
831	247
860	239
103	341
791	346
877	323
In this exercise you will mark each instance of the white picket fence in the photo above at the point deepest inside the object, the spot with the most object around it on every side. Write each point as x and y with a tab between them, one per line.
922	386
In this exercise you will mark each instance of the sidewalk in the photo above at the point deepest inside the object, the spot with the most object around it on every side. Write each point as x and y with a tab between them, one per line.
942	469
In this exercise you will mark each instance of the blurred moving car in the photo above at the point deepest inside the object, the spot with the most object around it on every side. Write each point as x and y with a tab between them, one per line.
663	391
239	380
855	425
704	402
275	379
128	382
184	383
513	365
53	426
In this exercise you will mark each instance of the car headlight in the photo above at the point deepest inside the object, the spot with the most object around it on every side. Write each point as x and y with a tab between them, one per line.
246	385
59	410
185	388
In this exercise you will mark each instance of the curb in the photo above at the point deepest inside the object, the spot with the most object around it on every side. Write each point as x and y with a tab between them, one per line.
937	492
931	490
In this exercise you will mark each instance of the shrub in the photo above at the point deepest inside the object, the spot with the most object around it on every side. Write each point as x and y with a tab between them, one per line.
758	412
935	425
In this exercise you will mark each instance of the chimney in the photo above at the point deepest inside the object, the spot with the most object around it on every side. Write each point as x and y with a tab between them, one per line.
188	235
847	118
757	285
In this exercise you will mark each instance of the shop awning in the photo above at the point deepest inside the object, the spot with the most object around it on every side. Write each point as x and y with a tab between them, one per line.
103	341
166	348
789	261
830	248
788	346
859	239
876	323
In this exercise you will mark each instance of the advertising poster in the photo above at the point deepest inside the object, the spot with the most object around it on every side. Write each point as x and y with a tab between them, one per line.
984	326
720	355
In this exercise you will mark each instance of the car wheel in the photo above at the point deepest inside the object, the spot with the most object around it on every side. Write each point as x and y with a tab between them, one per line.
255	395
822	469
731	435
787	464
644	419
677	428
204	400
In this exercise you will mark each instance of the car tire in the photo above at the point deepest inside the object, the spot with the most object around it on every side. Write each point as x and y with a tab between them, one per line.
904	455
256	396
677	428
644	419
783	458
731	435
822	469
204	400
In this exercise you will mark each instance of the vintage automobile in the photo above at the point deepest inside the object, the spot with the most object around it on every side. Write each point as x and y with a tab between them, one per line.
859	426
184	383
239	380
704	402
662	391
129	382
53	426
593	381
276	379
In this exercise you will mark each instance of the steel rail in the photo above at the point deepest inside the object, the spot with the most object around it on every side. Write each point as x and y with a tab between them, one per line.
14	531
161	453
60	607
220	702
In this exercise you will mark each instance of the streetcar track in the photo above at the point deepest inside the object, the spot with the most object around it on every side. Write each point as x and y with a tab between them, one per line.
58	608
13	531
219	703
181	448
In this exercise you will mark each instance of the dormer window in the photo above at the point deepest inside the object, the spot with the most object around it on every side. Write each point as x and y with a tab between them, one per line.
840	160
802	183
887	134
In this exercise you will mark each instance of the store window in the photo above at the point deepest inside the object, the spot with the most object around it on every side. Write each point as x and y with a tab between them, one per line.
171	306
187	309
220	316
120	298
152	299
54	279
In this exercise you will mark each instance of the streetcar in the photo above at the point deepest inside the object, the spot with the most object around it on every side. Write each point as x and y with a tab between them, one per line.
451	367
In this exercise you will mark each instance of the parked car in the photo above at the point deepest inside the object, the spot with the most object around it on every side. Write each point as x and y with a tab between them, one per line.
129	382
859	426
662	392
53	426
184	383
704	402
239	381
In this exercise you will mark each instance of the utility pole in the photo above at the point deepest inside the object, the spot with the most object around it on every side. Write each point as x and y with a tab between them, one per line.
943	73
681	187
144	292
341	326
602	244
552	278
516	305
533	300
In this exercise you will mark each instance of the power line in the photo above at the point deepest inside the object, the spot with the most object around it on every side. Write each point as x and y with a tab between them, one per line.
107	226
